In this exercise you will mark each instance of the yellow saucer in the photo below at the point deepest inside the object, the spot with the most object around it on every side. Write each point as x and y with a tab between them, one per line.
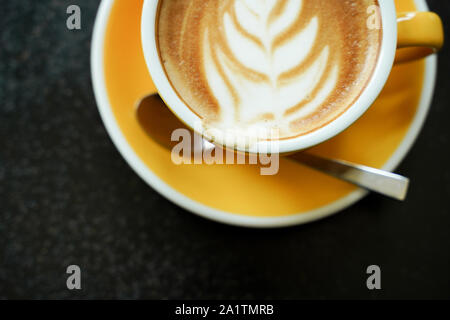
238	194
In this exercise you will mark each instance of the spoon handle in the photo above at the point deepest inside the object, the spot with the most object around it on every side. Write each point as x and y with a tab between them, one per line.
380	181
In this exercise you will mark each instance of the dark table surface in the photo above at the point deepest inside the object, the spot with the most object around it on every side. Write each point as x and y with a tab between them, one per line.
68	197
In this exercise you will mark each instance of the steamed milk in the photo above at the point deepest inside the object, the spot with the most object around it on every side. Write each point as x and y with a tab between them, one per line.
293	65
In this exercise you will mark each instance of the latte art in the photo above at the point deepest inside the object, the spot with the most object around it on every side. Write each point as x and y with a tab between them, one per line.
273	82
294	65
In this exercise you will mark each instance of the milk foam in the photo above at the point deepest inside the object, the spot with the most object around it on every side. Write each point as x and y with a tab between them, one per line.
265	102
291	65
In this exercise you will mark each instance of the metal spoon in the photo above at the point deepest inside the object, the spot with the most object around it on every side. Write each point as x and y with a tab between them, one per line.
159	123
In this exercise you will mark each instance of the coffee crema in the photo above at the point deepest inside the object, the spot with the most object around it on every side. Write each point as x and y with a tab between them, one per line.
292	65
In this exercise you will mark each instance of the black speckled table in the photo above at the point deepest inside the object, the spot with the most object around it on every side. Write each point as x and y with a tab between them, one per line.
68	197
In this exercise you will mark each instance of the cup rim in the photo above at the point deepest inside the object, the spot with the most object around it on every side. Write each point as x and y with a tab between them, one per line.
354	112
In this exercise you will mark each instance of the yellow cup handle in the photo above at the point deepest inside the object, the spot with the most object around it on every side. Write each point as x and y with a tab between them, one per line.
419	35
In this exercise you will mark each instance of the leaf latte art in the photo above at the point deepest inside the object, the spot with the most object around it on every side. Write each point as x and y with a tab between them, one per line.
294	65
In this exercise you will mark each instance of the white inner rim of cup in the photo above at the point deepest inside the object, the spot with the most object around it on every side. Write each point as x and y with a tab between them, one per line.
365	100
